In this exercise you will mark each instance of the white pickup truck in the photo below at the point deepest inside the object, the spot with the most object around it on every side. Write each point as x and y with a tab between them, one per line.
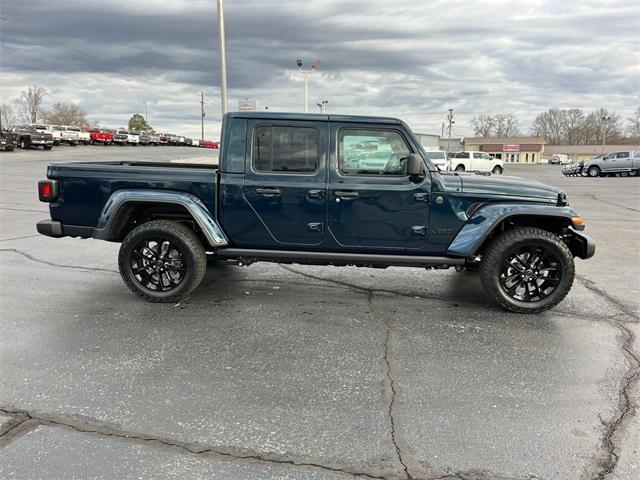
475	162
62	135
83	137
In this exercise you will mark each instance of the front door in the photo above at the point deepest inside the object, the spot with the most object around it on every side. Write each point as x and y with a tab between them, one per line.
372	202
285	180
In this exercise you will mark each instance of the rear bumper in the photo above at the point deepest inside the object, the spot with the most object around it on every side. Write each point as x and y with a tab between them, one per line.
53	228
582	245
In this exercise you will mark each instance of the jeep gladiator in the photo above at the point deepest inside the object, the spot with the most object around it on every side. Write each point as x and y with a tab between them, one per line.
319	189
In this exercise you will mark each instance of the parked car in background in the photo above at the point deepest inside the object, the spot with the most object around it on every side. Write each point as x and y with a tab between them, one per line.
118	138
28	136
100	136
154	139
174	139
210	144
624	164
8	141
62	135
83	136
164	138
467	161
439	159
195	142
559	159
134	137
145	138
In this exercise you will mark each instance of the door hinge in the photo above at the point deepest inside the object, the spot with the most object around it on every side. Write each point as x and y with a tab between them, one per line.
315	227
421	197
419	230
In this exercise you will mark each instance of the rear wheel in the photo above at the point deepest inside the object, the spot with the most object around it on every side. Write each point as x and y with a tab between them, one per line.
460	168
162	261
47	147
593	171
527	270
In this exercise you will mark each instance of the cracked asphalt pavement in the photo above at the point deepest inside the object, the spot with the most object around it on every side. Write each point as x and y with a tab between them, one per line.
299	372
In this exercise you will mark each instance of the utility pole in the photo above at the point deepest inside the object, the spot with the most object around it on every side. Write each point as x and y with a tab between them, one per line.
202	114
605	120
223	59
306	81
451	122
442	130
146	117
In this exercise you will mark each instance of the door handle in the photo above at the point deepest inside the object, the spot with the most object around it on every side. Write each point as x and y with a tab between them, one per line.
317	194
343	194
268	192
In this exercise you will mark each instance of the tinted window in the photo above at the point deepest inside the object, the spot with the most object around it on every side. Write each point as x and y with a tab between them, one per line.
622	154
436	155
285	149
462	155
372	152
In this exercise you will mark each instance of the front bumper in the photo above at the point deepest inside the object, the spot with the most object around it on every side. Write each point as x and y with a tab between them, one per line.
581	245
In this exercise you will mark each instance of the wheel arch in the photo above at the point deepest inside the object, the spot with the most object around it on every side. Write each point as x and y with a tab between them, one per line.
125	208
492	219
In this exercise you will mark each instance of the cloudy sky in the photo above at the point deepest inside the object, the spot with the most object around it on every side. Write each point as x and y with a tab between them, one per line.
410	59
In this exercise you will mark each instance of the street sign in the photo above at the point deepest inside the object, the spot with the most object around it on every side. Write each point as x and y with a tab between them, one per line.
511	148
247	105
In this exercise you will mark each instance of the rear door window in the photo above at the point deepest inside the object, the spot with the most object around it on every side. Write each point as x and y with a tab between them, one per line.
285	149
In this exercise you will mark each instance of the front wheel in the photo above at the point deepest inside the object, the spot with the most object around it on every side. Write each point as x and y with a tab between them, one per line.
460	168
497	170
593	171
527	270
162	261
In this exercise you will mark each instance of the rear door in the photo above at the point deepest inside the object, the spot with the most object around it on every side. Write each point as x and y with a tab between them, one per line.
285	179
623	161
372	202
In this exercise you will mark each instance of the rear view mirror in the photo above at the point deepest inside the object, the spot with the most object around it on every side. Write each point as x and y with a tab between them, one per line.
414	165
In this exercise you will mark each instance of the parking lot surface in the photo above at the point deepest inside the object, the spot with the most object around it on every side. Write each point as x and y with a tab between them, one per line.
312	372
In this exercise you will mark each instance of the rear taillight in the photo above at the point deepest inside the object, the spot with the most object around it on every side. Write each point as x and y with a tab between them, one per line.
47	190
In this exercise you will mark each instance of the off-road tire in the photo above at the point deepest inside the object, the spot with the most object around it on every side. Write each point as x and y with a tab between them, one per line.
185	240
497	252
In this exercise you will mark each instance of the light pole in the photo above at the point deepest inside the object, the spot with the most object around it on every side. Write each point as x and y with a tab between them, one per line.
605	120
322	106
223	59
451	122
306	81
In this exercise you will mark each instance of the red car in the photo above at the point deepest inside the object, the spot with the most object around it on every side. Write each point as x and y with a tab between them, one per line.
100	136
210	144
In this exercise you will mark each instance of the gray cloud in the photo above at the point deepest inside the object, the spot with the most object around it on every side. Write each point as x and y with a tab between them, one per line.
409	59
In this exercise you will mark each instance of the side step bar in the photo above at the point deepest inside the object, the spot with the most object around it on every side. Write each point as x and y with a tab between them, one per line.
335	258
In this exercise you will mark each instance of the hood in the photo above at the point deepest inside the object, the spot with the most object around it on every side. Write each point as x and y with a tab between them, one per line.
502	185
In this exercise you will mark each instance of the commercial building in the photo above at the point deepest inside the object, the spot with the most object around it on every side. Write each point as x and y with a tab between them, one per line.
585	152
509	149
432	143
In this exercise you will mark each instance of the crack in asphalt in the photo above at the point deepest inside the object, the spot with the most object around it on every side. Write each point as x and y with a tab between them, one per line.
411	467
590	285
51	264
33	420
606	458
615	204
366	290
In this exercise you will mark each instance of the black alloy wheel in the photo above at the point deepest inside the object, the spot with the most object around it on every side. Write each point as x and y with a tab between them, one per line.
527	269
162	261
530	272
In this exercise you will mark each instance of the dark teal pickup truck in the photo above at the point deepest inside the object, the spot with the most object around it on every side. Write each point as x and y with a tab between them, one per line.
319	189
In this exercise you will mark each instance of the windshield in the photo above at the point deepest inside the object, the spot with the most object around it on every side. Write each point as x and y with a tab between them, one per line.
73	129
436	155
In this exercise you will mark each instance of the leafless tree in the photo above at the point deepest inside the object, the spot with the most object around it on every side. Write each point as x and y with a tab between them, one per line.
6	115
549	125
633	127
506	125
65	114
483	125
30	103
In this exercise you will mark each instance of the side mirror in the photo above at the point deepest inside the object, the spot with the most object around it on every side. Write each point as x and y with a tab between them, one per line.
414	165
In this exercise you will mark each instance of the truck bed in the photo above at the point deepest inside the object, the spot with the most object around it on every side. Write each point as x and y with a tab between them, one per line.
86	186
